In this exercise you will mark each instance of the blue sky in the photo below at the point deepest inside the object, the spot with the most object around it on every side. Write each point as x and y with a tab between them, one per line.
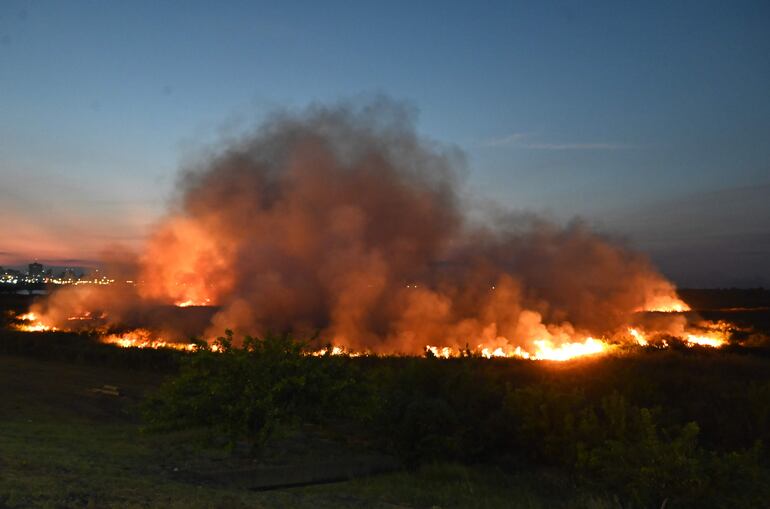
650	119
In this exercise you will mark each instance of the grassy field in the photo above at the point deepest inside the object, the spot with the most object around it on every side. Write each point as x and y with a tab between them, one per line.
62	445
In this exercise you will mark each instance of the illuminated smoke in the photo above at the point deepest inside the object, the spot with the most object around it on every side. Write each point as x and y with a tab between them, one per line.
342	222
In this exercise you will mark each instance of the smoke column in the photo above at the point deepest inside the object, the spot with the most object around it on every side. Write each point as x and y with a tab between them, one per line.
341	221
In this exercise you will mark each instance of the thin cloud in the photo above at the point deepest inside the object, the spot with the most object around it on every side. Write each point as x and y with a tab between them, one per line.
576	146
519	140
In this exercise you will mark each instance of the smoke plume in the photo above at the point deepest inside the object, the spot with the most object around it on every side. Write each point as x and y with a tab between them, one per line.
342	222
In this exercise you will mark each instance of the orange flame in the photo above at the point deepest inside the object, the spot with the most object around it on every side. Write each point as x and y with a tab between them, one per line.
33	323
545	350
190	302
713	339
551	342
715	336
143	338
665	303
335	350
638	336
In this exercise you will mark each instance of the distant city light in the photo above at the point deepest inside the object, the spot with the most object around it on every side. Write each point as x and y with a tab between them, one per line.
37	275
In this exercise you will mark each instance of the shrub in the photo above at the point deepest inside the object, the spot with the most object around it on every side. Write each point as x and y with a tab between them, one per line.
247	392
431	409
639	430
619	448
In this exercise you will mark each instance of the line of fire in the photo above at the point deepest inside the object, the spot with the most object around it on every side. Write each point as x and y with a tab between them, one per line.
664	320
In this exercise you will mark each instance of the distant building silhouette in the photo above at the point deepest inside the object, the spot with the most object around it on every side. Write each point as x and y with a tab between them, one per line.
35	269
69	274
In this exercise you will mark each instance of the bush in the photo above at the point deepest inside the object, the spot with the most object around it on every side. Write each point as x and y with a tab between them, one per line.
638	429
248	392
432	409
618	447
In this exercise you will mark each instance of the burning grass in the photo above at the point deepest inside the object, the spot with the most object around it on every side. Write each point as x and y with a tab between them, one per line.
551	343
143	338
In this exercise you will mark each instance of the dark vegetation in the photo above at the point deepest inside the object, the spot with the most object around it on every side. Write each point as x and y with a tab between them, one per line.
686	427
86	349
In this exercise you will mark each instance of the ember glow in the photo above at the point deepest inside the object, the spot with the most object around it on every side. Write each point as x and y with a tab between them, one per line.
343	224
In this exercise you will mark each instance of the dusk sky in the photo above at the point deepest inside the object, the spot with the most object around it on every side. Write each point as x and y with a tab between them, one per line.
651	120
